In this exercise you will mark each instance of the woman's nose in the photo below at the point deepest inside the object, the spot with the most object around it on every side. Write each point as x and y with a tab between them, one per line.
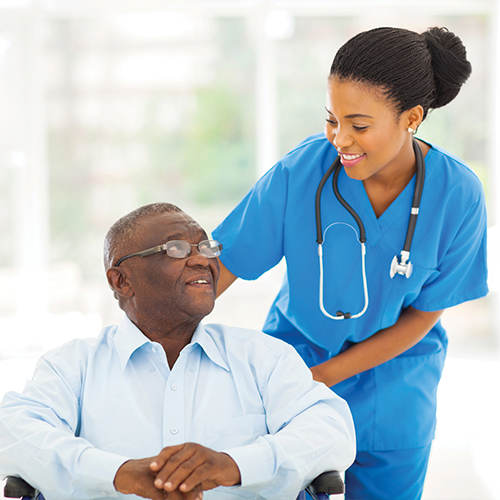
341	139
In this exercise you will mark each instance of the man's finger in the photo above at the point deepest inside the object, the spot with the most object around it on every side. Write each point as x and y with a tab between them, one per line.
203	475
178	466
209	469
174	474
158	462
195	494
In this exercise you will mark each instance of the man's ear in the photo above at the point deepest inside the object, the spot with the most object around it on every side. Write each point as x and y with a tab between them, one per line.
119	282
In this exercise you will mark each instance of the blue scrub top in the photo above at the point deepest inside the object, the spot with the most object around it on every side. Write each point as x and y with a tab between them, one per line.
394	404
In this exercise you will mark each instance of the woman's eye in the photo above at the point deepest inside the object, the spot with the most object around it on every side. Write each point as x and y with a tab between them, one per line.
359	129
331	122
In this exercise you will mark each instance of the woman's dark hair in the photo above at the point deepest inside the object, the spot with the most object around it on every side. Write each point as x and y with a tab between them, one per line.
410	68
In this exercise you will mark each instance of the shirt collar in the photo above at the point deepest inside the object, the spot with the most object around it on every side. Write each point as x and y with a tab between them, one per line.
212	349
129	338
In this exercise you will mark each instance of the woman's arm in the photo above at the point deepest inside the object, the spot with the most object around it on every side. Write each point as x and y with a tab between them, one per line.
226	278
411	327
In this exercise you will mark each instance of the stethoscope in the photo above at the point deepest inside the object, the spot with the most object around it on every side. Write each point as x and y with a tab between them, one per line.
400	263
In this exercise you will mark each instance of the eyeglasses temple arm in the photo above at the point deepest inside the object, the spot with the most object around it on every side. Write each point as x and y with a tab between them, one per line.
151	251
144	253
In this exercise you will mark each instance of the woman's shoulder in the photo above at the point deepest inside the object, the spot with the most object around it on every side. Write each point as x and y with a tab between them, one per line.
315	140
440	155
308	153
451	169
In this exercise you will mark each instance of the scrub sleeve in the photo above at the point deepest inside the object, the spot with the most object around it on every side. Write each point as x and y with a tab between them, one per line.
394	404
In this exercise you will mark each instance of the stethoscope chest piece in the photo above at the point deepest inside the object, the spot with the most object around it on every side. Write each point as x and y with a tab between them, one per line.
399	265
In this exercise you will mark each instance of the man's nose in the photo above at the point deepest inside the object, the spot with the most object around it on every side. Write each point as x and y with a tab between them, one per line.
196	258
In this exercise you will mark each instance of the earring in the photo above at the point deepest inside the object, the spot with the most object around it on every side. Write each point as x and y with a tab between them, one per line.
412	131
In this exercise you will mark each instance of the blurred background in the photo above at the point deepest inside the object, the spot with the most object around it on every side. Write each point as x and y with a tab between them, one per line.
111	104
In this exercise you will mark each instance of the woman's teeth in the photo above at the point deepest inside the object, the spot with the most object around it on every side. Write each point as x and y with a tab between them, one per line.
351	157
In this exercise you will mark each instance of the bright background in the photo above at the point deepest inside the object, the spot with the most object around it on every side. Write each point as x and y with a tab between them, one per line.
107	105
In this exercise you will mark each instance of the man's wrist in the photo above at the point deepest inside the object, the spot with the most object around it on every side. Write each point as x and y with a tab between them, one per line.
232	472
120	482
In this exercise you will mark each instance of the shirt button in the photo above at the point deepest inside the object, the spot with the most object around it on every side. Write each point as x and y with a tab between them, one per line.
192	369
173	387
173	430
152	369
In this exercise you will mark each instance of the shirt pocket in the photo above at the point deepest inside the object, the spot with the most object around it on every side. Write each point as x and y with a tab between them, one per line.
406	401
404	291
228	433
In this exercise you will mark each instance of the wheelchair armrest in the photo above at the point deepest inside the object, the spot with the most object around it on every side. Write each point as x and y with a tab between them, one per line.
329	482
15	487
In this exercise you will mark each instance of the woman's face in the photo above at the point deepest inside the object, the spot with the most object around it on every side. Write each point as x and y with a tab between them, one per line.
365	128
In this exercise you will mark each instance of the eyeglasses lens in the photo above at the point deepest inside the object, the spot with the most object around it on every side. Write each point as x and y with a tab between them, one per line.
179	249
210	248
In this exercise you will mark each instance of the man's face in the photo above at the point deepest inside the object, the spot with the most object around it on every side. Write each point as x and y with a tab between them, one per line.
165	288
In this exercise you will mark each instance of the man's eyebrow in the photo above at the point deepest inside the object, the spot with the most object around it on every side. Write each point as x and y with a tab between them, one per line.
174	236
181	236
354	115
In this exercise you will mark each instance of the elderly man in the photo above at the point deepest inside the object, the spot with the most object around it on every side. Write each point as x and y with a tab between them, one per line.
208	406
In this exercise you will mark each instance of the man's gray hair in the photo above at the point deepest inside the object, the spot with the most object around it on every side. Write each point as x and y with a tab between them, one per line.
121	233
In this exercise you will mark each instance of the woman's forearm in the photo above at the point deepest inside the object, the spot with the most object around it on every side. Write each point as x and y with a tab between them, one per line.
226	278
411	327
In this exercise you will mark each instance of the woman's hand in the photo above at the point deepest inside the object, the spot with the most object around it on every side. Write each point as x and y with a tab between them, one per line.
324	372
411	327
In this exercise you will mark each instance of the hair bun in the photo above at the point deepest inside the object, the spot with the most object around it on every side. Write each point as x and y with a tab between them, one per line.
449	62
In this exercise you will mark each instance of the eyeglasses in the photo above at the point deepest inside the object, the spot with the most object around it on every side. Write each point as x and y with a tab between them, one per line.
180	249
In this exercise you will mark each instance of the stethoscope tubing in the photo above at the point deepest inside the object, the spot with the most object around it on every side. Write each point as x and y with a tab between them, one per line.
341	315
417	196
319	230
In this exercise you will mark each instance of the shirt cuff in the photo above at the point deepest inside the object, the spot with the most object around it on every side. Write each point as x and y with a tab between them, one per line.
98	468
255	462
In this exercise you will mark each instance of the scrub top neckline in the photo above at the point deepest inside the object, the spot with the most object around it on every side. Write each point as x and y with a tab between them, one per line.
400	207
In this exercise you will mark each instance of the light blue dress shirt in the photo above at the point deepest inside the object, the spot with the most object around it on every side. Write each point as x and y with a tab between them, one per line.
94	403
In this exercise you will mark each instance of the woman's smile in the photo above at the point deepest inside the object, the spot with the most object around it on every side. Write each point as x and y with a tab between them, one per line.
350	161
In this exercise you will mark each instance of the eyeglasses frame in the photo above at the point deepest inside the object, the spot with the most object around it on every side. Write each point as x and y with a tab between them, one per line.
163	248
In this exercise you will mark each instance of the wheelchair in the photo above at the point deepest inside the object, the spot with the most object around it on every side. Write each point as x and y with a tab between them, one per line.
326	484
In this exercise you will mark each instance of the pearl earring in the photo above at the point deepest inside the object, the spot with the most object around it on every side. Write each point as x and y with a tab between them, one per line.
412	131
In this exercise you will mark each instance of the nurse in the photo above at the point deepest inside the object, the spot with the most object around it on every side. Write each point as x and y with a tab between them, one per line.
388	361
